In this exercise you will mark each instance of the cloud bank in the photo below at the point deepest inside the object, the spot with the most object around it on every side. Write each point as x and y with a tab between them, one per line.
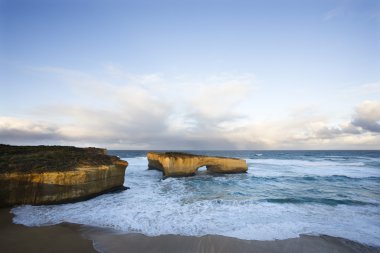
118	110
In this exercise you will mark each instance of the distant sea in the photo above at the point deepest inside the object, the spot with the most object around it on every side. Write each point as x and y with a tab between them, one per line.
284	194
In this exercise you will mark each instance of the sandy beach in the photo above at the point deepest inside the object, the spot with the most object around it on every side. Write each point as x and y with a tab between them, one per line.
218	244
68	237
58	238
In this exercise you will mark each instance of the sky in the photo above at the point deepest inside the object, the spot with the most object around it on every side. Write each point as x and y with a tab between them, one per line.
191	74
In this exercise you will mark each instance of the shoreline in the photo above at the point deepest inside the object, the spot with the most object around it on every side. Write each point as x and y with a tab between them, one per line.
67	237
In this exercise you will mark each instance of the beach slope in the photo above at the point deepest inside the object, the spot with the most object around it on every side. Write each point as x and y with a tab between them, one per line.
68	237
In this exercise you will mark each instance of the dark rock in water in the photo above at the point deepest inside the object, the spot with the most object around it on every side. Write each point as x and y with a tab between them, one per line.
56	174
183	164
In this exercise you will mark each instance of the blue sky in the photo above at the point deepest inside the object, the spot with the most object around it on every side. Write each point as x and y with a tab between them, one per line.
191	74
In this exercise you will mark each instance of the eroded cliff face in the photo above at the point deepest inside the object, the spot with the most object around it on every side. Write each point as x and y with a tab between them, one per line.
35	182
182	164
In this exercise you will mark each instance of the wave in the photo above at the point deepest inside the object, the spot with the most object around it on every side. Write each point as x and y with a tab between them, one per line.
295	200
303	163
260	221
277	168
139	161
331	178
323	201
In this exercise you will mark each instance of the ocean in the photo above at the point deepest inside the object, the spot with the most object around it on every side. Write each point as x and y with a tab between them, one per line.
283	194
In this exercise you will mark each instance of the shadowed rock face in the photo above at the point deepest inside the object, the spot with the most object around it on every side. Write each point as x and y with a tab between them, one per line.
174	164
54	174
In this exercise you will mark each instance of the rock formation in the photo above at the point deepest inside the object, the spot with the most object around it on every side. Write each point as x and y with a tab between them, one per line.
182	164
56	174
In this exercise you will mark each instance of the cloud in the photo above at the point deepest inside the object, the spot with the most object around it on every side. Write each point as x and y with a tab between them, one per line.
150	111
372	88
15	130
216	100
333	13
375	16
329	132
308	130
367	116
352	9
117	72
141	111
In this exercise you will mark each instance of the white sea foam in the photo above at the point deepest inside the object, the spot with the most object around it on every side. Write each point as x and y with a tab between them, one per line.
154	206
262	221
288	167
312	163
139	161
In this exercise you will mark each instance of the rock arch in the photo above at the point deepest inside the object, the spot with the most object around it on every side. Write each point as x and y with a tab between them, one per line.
182	164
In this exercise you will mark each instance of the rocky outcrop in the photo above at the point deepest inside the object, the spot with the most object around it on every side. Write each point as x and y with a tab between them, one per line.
53	174
182	164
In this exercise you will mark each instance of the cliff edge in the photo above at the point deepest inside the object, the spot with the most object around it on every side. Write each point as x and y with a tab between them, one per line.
56	174
183	164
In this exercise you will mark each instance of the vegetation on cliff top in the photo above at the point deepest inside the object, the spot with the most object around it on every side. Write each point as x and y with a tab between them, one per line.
51	158
186	155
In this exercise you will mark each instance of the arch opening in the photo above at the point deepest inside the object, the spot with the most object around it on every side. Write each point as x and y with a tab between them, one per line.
201	170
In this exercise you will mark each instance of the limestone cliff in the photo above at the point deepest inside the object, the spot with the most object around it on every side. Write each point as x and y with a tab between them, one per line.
56	174
182	164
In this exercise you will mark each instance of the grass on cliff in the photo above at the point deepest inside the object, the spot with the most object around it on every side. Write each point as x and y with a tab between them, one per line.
50	158
186	155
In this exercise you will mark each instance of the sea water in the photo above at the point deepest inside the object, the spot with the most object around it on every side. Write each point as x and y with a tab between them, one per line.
284	194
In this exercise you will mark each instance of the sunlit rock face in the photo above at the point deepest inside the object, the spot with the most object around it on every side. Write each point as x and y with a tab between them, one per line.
50	175
174	164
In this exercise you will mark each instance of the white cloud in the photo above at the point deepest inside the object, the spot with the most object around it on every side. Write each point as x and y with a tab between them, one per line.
8	123
312	131
365	89
151	112
333	13
367	116
117	72
216	100
21	131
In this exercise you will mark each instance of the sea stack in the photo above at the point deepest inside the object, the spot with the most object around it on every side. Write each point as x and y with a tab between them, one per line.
175	164
56	174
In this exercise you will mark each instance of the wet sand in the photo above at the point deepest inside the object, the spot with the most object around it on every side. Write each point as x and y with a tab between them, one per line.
68	237
63	237
217	244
